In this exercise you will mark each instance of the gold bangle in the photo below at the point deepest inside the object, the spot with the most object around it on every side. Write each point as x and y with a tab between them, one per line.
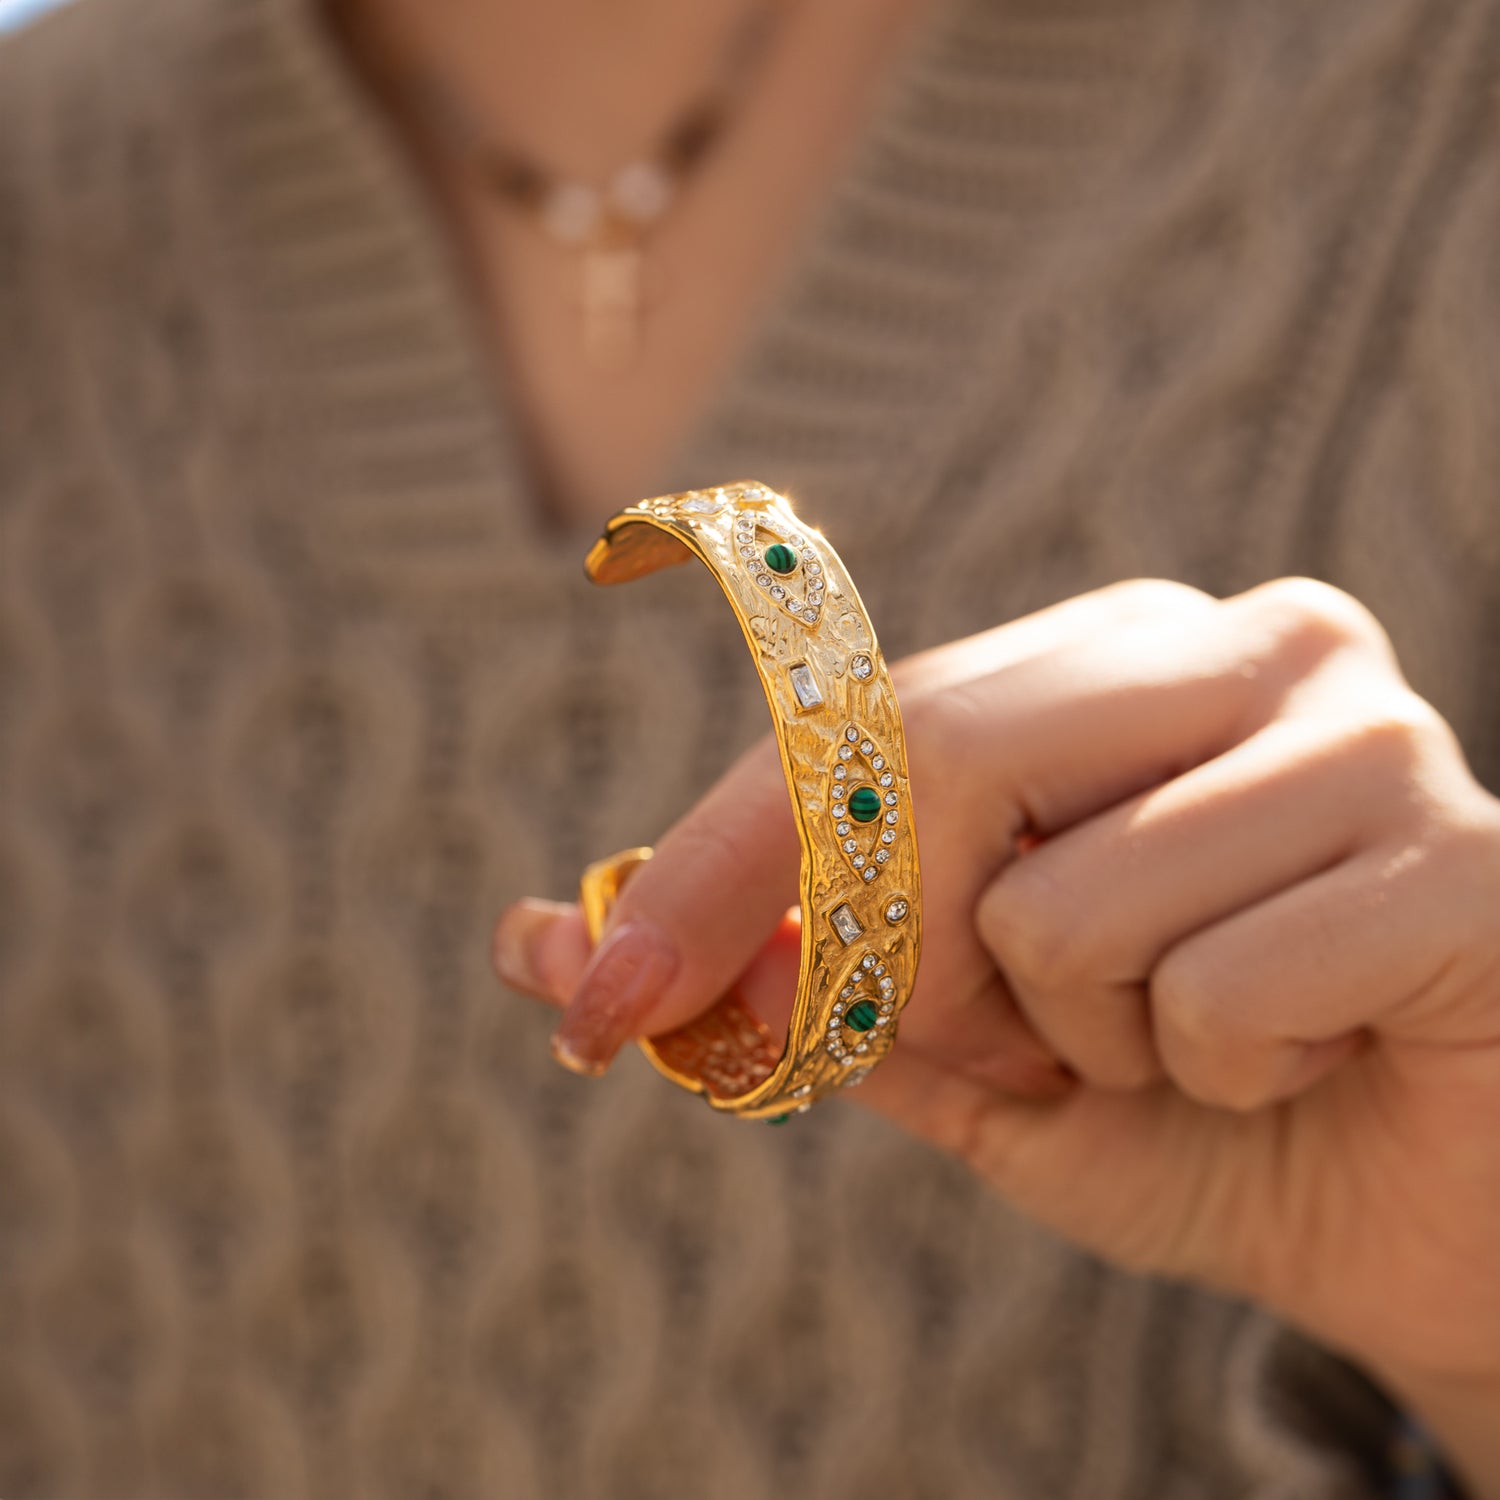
839	730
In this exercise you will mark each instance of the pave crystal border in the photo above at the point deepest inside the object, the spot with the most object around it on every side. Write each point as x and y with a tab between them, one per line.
749	553
866	983
866	862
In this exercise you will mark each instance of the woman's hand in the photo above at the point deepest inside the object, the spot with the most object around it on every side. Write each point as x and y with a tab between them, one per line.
1257	921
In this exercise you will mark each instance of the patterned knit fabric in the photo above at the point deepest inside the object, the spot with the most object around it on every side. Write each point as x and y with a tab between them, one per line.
297	689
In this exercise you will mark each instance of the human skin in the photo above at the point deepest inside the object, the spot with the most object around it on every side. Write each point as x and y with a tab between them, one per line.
1210	979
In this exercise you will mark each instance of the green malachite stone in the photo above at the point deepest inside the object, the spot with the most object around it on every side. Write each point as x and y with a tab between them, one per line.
778	1119
861	1016
864	804
780	558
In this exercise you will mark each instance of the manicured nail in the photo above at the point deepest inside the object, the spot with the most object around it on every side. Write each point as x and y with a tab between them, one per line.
628	971
513	951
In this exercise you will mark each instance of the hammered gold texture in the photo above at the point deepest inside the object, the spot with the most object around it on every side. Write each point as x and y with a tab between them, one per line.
809	618
297	690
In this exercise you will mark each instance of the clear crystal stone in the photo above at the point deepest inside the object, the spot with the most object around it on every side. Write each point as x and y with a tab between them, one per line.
794	604
890	799
862	667
871	873
777	592
839	772
859	861
869	961
896	911
865	747
851	734
845	751
857	1077
887	779
862	1047
814	567
845	924
802	1091
880	968
890	817
847	990
809	614
887	837
846	1059
764	580
882	1020
881	855
805	685
747	551
705	505
842	829
850	846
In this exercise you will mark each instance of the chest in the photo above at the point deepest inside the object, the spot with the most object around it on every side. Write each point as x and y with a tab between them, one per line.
610	349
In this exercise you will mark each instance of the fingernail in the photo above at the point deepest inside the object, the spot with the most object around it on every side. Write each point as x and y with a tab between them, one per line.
513	951
628	971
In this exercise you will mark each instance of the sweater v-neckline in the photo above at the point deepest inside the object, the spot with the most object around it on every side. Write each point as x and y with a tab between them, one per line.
416	479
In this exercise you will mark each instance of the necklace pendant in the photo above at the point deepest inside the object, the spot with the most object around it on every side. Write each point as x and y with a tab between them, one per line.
611	304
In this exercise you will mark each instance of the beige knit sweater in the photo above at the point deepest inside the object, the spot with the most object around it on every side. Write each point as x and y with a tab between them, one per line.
296	690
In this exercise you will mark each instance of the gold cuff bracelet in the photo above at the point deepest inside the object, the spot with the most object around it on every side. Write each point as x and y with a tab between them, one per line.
838	727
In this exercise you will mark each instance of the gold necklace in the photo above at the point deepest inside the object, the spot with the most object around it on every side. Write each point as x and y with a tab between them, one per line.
607	224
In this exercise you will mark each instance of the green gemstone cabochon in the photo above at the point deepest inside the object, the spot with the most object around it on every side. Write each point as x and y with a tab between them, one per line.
861	1015
780	558
864	804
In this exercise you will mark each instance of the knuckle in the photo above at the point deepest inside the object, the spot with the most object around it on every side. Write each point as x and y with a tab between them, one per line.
1204	1052
1145	597
1308	615
1393	739
1388	748
1022	919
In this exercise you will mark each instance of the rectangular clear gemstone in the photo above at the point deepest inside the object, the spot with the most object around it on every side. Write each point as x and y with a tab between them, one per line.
805	685
845	923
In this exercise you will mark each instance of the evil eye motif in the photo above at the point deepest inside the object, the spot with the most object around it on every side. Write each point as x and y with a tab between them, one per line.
863	803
